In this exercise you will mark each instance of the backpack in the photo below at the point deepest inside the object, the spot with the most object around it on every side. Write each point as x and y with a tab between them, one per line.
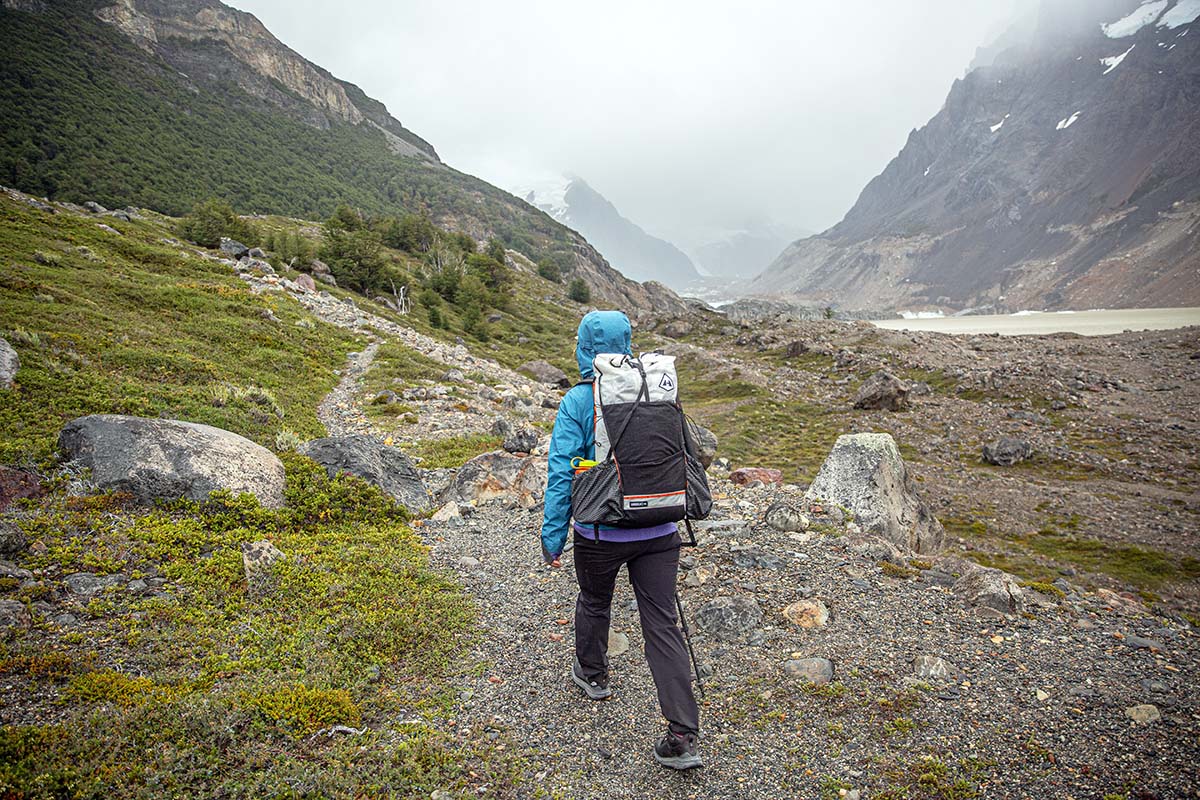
648	471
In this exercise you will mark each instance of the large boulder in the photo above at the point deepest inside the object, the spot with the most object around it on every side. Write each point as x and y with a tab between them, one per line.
234	249
375	462
1006	451
883	390
500	476
864	473
164	459
543	372
9	364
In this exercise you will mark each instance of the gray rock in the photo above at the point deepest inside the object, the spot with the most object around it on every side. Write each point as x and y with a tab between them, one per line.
449	513
13	614
233	249
757	559
993	589
1144	714
12	539
136	586
883	390
1142	643
109	229
501	427
1006	451
454	376
786	518
817	671
705	442
94	207
306	282
865	474
543	372
87	584
258	560
522	440
1030	416
935	670
618	643
325	277
163	459
375	462
10	362
10	570
256	252
385	398
500	476
807	613
729	618
318	267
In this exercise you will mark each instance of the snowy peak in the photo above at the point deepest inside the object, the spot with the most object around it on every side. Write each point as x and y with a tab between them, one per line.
626	246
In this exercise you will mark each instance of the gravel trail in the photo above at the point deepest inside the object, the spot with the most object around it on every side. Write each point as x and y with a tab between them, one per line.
339	411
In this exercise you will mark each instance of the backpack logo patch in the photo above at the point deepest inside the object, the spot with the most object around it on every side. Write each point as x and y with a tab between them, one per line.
666	384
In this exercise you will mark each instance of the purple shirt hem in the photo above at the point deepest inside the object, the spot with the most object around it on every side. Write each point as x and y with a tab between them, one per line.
625	534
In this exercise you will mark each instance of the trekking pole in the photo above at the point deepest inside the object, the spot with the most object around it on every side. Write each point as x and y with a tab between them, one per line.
687	637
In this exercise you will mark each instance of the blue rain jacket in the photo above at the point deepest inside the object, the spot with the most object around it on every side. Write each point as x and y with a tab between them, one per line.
574	434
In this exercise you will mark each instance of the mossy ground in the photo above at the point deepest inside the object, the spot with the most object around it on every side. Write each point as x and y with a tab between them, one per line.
208	686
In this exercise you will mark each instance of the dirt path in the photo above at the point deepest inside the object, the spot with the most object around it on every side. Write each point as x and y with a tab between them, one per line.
339	411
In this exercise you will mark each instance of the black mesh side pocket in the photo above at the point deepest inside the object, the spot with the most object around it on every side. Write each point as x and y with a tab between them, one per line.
596	495
699	496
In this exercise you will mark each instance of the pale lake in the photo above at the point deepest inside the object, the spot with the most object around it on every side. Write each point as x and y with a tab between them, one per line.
1088	323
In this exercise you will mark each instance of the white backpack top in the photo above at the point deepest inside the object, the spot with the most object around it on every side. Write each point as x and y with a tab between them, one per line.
618	380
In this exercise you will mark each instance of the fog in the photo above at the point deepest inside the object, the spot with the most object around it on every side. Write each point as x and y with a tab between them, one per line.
690	117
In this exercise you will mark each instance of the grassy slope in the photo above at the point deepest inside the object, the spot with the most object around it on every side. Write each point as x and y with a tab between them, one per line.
208	688
89	116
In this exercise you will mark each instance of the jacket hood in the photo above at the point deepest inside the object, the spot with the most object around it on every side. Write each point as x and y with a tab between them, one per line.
601	332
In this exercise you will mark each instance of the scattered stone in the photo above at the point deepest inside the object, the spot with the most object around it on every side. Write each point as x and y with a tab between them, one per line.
698	576
865	474
450	512
807	613
705	442
256	252
325	277
501	427
1142	643
1006	451
500	476
10	362
375	462
883	390
94	207
163	459
469	562
786	518
729	618
818	671
233	249
454	376
108	229
618	643
522	440
543	372
938	670
1144	714
306	282
676	328
257	560
744	476
385	398
990	589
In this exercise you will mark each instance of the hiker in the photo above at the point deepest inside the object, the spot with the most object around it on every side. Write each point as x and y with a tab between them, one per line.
651	556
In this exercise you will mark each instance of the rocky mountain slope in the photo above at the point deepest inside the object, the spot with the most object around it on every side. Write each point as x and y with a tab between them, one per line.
164	104
630	249
1063	171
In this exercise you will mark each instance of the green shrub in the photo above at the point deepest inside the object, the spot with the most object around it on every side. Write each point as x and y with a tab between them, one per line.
579	291
355	258
549	270
213	219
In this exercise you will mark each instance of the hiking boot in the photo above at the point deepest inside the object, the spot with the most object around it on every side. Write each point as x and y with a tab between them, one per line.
594	690
677	751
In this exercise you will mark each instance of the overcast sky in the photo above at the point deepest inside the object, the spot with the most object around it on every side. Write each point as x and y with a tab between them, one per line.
691	117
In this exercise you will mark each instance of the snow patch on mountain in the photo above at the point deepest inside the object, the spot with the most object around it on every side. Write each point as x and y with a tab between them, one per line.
1063	124
1133	22
1184	12
1112	62
548	194
993	128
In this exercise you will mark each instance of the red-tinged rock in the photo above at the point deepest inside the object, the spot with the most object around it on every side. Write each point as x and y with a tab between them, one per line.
748	475
16	484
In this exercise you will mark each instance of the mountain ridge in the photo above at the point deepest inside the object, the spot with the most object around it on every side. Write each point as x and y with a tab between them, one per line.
1059	175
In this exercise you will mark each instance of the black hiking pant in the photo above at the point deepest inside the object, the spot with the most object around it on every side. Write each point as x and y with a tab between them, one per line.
652	564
